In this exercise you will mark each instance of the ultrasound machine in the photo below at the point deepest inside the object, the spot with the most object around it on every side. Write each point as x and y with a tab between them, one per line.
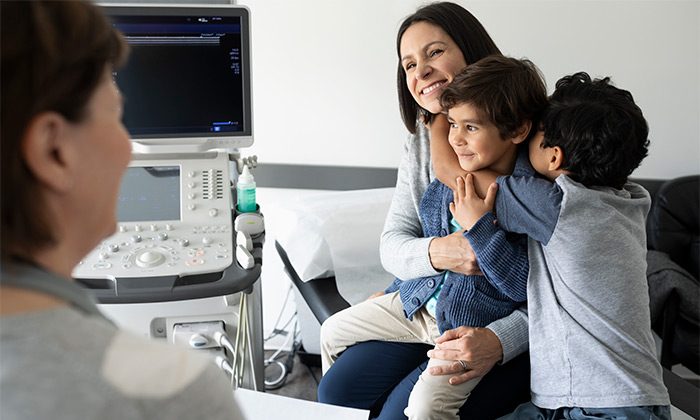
181	266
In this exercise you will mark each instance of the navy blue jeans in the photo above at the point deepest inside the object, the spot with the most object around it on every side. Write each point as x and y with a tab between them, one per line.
379	376
529	411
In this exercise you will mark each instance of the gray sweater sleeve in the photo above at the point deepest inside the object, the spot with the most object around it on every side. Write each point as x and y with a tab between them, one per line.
404	250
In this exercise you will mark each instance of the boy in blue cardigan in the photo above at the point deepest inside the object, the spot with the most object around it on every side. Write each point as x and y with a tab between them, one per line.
508	94
591	349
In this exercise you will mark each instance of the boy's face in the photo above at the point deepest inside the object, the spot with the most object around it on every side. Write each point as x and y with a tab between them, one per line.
477	142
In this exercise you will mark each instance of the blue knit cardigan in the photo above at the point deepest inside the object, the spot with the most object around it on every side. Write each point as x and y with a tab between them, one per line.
474	301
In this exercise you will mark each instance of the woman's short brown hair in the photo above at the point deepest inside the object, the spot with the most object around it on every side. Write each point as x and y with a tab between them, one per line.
54	55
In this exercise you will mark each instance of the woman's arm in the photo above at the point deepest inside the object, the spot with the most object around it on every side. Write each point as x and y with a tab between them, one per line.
445	162
403	250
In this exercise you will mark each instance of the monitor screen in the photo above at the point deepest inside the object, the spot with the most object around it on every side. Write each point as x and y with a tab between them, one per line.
188	74
150	193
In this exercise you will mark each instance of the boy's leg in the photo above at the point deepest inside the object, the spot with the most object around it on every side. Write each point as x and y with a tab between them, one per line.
381	318
433	397
487	401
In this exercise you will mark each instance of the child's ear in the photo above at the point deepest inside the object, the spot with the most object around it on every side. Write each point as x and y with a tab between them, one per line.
522	133
556	159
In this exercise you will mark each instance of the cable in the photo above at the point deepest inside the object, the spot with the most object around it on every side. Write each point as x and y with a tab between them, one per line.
278	331
286	341
280	380
224	364
239	348
275	330
288	365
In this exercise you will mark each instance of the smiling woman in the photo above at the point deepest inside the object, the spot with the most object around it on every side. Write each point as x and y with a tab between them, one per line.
429	66
433	45
455	33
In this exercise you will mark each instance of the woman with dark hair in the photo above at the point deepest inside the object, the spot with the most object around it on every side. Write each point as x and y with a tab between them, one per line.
64	151
433	45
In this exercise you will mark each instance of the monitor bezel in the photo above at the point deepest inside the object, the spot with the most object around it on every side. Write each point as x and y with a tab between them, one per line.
208	140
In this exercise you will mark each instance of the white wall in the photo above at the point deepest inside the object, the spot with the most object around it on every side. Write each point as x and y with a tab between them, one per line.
324	71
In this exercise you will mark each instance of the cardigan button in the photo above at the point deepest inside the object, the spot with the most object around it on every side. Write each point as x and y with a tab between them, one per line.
431	283
415	301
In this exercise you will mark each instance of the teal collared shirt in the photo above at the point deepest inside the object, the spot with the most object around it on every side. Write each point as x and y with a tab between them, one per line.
432	302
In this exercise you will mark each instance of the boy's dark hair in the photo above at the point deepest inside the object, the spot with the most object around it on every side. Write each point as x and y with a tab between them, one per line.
601	131
464	29
506	91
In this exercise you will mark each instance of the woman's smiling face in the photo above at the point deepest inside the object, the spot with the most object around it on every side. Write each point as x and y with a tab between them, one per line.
431	59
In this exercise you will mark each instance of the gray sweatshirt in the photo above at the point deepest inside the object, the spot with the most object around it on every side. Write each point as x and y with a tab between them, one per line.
72	363
590	330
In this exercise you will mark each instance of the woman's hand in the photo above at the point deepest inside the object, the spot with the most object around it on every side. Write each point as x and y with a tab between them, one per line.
453	252
479	349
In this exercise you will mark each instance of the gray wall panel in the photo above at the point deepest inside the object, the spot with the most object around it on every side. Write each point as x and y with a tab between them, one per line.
323	177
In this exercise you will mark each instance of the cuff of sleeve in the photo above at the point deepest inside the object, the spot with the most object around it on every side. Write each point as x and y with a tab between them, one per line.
482	232
411	261
423	261
512	331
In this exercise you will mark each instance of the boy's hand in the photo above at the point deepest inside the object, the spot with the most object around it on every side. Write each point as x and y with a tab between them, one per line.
468	207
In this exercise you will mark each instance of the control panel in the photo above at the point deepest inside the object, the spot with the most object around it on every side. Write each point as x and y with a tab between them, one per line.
174	219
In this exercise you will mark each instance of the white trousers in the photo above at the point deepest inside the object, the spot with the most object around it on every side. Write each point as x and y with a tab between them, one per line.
383	319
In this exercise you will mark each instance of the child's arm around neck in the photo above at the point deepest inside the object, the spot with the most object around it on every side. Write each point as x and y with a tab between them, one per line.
445	161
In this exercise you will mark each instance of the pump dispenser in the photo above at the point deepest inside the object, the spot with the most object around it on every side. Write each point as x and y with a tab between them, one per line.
246	191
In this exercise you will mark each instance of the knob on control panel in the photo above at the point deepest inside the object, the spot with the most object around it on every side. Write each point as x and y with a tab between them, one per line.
150	259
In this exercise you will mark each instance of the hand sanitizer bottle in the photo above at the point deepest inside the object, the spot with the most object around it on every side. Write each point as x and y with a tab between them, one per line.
246	191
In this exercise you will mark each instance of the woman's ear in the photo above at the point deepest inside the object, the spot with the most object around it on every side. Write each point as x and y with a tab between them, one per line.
44	150
522	133
556	159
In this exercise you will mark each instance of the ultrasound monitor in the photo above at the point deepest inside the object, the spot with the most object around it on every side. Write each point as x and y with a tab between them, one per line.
187	81
149	193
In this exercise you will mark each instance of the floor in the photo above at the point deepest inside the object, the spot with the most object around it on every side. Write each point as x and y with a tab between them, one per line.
301	382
